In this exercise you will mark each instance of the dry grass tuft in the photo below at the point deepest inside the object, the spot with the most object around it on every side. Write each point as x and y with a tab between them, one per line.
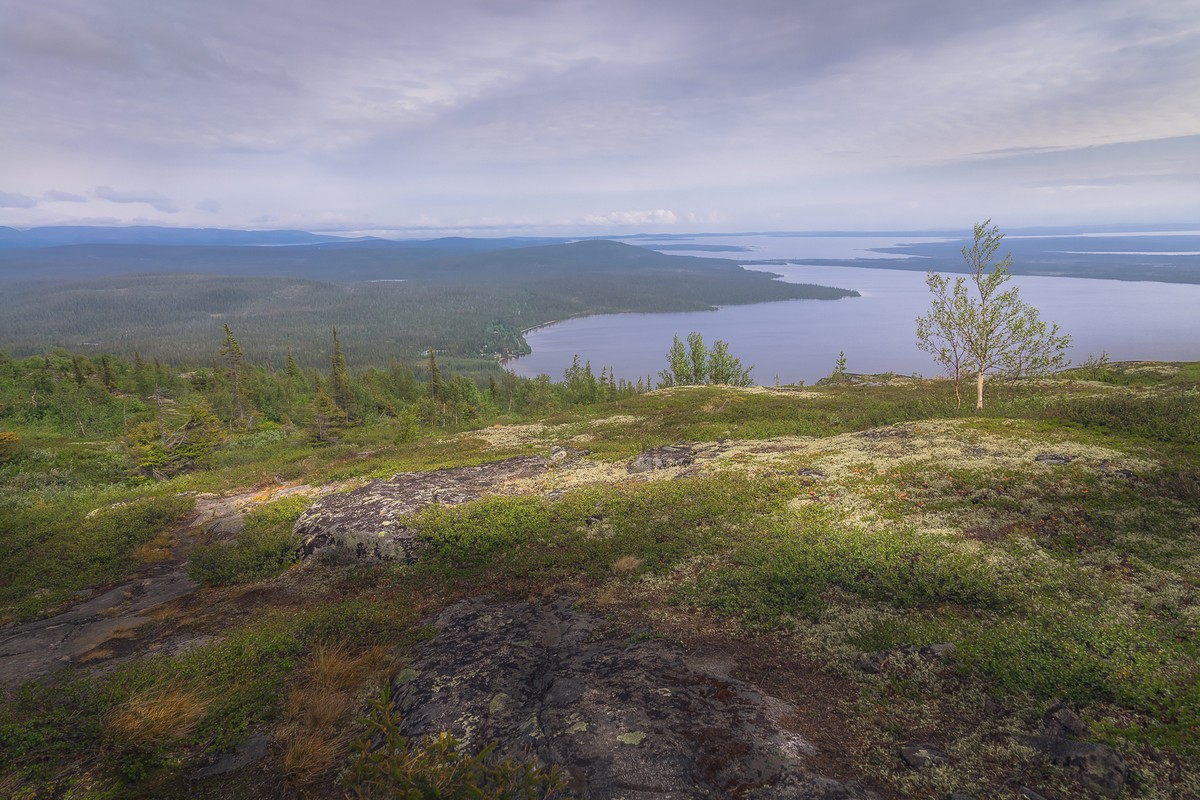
312	709
628	564
156	550
336	667
308	755
163	713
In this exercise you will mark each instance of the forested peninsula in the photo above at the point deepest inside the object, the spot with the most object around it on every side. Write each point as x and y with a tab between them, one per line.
389	300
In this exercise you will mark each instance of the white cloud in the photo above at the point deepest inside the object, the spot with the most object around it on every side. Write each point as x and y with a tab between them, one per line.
659	216
385	112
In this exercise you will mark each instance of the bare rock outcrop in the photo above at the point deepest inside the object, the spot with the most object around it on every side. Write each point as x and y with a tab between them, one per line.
669	455
366	523
625	719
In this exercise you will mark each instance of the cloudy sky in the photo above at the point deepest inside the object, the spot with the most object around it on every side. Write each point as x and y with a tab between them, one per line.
598	116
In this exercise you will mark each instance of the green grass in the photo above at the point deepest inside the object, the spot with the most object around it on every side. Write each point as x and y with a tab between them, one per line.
788	572
265	547
53	550
586	531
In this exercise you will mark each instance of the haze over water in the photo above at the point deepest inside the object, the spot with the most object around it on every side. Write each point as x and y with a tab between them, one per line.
800	339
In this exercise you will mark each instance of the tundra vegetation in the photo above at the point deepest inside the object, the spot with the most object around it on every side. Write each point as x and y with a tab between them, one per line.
1053	538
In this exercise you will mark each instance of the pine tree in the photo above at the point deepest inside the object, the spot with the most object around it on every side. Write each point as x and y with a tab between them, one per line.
108	374
328	419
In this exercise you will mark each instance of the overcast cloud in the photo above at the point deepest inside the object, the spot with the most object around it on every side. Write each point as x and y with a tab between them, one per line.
576	116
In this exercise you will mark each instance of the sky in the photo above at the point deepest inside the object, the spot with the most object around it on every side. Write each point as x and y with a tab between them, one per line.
574	117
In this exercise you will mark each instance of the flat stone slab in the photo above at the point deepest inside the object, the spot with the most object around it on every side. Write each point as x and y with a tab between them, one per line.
366	522
45	646
670	455
625	719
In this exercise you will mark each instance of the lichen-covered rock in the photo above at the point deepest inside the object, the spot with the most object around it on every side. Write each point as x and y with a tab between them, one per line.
1059	720
920	755
367	523
1098	766
875	663
625	720
670	455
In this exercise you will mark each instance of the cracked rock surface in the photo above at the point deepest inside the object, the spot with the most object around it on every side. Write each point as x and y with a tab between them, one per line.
625	719
366	522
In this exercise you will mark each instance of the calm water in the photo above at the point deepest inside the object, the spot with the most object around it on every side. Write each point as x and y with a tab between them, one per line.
800	339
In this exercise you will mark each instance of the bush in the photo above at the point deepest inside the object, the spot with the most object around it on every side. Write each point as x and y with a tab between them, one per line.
265	547
788	573
1171	418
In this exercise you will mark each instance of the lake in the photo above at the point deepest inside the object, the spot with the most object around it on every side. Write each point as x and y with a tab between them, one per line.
798	340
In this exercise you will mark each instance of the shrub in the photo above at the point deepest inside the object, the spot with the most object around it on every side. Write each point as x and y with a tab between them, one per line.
265	547
788	573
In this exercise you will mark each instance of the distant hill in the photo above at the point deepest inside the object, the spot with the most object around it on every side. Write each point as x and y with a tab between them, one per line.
171	301
69	235
1171	258
56	236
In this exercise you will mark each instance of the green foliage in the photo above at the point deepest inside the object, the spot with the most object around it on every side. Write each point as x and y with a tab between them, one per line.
1085	658
839	370
231	351
478	530
387	764
696	365
1171	418
588	529
975	327
162	451
266	546
339	380
52	551
788	572
1095	368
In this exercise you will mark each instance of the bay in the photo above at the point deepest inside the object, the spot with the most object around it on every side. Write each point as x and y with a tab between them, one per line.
799	340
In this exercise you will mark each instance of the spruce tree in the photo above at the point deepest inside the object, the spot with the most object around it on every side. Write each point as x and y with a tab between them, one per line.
232	352
292	369
339	379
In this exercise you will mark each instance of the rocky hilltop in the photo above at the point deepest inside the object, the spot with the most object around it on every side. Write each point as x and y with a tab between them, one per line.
704	593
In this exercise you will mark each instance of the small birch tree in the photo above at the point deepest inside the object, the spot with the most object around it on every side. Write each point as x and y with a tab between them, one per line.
975	326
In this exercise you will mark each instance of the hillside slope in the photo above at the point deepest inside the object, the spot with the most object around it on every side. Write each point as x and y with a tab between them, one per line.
852	587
